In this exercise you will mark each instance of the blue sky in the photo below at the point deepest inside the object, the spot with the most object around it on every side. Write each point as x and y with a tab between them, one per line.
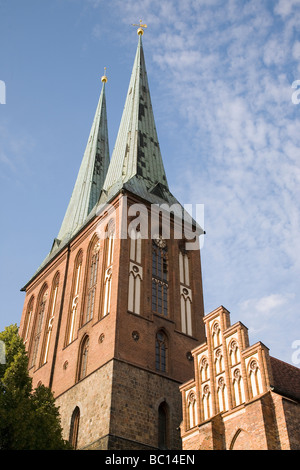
221	75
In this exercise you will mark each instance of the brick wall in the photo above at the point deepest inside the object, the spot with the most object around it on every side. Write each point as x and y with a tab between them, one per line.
119	408
238	402
129	416
288	422
93	397
136	396
270	422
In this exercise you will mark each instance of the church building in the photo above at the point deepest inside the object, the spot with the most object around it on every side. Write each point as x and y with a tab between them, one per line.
113	312
113	318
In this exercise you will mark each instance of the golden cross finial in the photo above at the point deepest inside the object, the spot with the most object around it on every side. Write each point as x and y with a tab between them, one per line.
104	77
141	26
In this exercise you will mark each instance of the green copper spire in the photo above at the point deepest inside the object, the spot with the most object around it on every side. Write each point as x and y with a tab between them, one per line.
91	175
136	162
89	182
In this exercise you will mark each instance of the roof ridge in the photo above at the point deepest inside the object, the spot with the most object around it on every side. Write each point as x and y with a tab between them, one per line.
284	362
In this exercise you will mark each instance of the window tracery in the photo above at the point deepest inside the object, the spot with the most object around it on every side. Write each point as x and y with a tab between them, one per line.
219	361
216	334
28	319
91	282
43	297
206	402
204	369
135	273
222	394
238	387
70	333
109	252
50	319
185	293
160	277
191	405
234	352
255	378
83	358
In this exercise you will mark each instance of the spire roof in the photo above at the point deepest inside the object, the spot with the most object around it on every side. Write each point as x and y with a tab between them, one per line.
136	163
88	184
91	173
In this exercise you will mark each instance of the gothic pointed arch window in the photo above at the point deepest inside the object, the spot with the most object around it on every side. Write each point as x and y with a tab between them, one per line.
185	293
237	433
49	320
91	281
204	369
234	354
76	286
219	363
206	402
238	387
254	378
28	319
135	272
108	266
163	431
222	395
136	245
83	358
39	320
161	350
74	428
216	334
191	409
160	276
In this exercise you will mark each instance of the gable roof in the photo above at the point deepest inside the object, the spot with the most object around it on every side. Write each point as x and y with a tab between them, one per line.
286	378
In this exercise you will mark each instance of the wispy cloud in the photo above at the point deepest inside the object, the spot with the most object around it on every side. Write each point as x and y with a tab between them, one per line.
271	318
224	70
264	307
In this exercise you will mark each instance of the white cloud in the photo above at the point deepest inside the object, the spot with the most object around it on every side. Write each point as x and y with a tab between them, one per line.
270	319
264	306
285	7
296	50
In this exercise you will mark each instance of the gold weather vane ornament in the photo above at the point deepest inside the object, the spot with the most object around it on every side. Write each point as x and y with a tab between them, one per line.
140	30
104	77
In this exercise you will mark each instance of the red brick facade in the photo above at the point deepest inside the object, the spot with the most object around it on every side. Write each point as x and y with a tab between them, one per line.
241	397
121	340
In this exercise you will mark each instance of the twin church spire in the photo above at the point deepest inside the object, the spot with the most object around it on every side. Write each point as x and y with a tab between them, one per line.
135	166
136	163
